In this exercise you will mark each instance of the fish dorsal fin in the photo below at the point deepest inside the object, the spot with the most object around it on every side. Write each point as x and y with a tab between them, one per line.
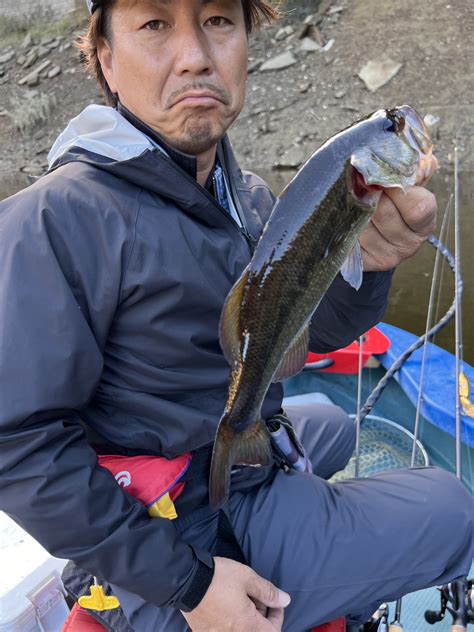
230	329
295	357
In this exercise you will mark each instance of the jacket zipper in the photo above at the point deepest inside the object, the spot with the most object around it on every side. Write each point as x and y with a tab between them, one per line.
243	231
242	227
252	242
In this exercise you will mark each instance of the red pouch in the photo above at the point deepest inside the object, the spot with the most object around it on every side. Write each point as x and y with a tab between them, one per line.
153	480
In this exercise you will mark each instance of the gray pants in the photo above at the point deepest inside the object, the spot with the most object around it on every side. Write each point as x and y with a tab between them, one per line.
338	549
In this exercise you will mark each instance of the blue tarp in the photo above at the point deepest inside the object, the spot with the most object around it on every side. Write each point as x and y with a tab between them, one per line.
439	387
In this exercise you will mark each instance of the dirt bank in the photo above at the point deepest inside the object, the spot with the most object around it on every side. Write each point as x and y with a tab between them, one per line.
289	111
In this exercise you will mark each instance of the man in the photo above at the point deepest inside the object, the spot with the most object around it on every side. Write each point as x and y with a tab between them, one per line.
115	266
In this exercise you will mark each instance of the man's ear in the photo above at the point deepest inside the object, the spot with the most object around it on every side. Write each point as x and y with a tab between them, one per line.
105	55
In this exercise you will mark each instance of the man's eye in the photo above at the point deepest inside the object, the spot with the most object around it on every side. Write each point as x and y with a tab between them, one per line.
156	25
218	20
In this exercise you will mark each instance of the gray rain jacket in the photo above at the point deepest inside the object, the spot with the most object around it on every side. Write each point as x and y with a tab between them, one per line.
114	267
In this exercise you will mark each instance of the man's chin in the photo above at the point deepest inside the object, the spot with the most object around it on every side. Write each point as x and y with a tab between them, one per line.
199	136
197	143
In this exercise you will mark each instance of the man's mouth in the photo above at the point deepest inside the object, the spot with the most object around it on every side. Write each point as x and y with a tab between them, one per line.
203	99
206	95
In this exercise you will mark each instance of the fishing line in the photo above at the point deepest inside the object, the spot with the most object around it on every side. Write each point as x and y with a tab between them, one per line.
429	316
462	383
428	335
458	317
375	394
359	403
396	625
459	586
444	239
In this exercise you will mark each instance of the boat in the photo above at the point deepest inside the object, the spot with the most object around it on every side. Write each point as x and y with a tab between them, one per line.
387	434
397	404
386	440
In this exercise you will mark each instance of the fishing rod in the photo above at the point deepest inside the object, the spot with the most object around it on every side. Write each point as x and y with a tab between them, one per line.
457	593
361	413
359	402
396	624
458	319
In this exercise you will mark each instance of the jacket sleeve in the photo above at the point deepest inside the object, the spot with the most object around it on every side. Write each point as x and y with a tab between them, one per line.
61	264
344	313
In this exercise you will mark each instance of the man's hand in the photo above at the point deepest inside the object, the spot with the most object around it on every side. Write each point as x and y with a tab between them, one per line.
402	222
238	600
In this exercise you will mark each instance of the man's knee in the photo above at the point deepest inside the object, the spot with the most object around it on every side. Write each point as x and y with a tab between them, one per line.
453	498
449	511
447	490
327	433
344	430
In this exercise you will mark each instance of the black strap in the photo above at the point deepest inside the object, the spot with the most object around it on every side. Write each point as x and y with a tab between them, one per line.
226	542
200	465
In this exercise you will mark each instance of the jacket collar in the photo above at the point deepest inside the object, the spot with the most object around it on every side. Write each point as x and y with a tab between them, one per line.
103	137
187	162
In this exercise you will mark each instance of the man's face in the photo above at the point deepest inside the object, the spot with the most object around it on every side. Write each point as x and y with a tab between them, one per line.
180	66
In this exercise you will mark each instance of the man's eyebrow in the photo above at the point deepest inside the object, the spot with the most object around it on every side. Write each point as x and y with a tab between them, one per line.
167	2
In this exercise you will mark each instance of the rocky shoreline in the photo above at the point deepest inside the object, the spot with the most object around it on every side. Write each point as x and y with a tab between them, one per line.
306	81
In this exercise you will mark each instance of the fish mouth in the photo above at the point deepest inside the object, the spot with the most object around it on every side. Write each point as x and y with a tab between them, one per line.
411	129
399	156
362	190
408	122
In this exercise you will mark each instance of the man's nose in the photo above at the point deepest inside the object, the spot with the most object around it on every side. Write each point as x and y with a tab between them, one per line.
193	51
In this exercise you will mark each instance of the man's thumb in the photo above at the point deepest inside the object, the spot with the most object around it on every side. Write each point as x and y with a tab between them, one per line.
268	594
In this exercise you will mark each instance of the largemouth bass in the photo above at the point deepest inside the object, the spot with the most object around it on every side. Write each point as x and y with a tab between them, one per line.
311	235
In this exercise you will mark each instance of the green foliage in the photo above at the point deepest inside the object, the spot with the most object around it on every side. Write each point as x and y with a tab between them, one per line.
309	6
14	29
30	110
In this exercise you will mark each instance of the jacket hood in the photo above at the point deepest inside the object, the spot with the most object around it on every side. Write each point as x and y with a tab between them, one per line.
102	137
101	130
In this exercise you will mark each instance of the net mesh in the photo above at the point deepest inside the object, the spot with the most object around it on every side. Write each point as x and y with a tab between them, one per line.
384	445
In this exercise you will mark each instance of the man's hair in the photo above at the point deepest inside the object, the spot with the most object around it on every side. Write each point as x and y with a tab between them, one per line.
255	13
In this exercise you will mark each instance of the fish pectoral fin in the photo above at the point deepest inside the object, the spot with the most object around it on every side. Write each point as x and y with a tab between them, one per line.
353	267
249	447
295	357
229	328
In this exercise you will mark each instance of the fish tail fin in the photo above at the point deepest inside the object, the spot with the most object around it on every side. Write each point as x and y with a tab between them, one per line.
250	447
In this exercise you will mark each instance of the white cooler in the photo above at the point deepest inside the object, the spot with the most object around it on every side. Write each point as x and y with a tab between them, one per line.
31	591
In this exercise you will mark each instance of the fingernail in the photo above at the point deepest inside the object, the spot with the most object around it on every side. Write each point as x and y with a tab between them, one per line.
285	599
422	206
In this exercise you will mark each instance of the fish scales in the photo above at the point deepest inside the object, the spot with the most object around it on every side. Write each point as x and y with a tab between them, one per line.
311	234
299	281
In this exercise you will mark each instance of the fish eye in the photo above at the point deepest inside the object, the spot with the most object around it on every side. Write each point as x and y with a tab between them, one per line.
395	121
389	126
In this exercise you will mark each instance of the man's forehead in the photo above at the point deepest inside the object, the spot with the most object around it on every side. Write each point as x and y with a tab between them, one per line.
94	4
171	2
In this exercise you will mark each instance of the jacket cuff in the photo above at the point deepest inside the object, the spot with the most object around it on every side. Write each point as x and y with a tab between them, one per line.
198	583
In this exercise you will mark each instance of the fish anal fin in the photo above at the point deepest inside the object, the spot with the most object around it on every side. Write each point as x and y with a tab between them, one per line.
229	328
295	357
249	447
